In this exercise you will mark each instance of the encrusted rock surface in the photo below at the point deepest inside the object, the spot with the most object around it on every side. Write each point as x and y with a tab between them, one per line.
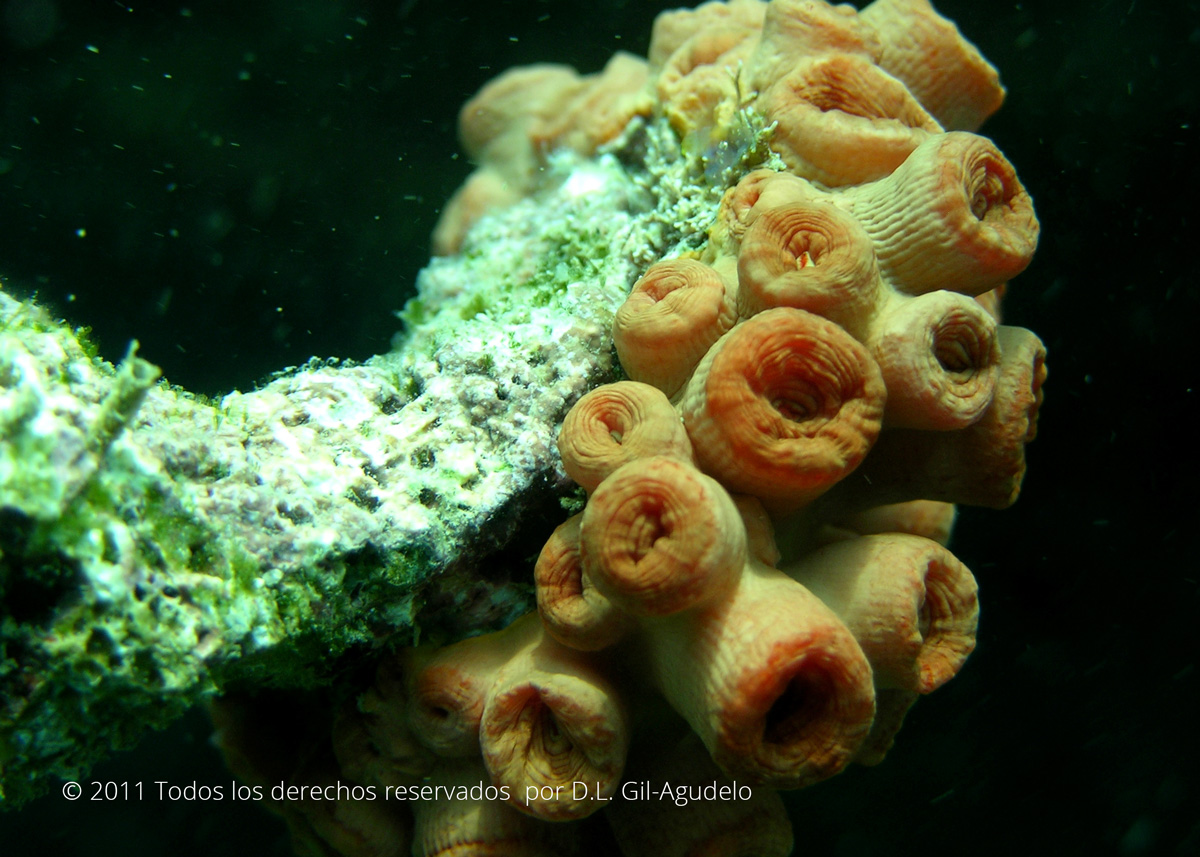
155	545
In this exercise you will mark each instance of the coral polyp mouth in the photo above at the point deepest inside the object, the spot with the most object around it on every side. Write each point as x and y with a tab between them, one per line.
551	752
797	405
990	187
800	709
646	538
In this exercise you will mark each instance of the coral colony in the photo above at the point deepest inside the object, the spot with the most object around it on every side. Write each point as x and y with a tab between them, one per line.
782	223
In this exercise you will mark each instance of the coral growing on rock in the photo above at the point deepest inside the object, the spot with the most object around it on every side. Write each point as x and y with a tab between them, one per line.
825	331
798	236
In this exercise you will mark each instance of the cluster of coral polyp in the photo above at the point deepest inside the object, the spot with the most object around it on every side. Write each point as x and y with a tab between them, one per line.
758	587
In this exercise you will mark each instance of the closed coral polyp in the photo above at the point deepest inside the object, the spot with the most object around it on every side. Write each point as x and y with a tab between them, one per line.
811	256
954	216
770	679
844	121
941	68
980	465
574	612
912	606
783	407
659	537
615	424
940	358
553	719
675	312
797	30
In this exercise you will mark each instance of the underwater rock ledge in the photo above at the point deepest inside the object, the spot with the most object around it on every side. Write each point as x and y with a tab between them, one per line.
155	546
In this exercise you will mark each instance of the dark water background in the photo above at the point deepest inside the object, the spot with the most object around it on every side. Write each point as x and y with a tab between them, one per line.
272	199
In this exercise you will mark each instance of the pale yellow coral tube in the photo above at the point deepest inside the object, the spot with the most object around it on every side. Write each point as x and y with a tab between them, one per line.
952	216
552	720
783	406
912	606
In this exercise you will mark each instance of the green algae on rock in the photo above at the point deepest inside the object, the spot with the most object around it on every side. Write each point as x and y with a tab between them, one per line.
156	546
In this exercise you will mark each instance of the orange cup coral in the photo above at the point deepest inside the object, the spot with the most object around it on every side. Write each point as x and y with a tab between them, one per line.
659	537
811	256
829	365
615	424
783	407
675	312
844	120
